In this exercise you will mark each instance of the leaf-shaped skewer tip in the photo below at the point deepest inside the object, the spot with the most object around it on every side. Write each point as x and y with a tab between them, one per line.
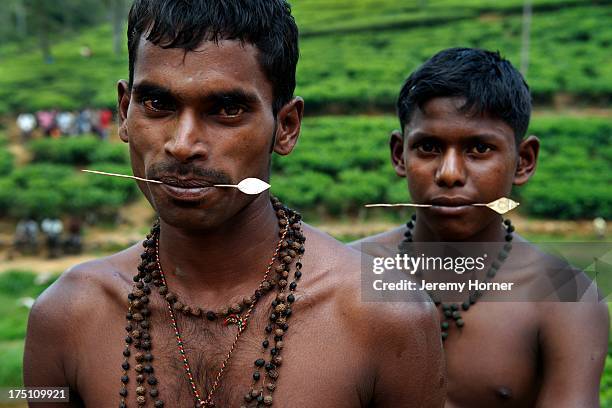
249	185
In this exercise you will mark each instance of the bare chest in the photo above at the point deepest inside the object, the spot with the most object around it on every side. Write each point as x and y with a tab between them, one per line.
312	372
493	360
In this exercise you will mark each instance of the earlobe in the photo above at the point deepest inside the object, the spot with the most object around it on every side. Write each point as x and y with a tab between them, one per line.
527	161
396	145
123	103
289	122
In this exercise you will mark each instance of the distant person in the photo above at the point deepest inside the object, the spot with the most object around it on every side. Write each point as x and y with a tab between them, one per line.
83	121
52	228
105	121
95	121
464	115
73	244
599	226
46	121
26	122
66	122
26	236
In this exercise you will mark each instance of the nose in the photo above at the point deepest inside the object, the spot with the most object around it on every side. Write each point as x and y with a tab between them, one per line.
187	143
451	171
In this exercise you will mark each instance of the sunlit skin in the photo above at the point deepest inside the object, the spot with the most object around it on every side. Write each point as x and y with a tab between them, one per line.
509	354
192	119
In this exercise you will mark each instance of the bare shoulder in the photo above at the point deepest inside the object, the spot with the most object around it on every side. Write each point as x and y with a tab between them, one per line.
74	301
391	327
77	292
339	267
388	238
87	282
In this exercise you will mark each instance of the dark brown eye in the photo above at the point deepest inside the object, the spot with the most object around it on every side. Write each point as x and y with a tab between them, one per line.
427	147
156	105
231	110
481	148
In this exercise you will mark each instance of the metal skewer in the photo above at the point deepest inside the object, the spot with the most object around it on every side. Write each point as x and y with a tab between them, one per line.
249	185
122	175
501	205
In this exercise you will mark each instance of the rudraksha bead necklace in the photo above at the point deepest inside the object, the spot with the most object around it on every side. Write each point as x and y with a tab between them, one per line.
290	247
451	310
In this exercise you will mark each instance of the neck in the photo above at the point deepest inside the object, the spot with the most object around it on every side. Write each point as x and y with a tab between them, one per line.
229	258
492	232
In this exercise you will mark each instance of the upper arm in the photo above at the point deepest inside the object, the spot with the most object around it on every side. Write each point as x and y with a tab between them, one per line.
574	343
49	343
409	358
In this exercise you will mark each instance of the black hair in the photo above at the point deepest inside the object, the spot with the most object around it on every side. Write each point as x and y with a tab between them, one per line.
488	82
266	24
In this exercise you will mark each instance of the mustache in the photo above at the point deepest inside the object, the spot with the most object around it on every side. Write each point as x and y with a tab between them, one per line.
174	171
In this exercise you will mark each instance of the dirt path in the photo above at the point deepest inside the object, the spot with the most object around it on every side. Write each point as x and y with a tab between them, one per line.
43	265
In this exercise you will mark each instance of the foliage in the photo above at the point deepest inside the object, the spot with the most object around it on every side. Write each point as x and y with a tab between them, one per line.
49	190
51	186
11	355
573	177
111	153
77	151
356	54
365	68
6	162
71	151
14	286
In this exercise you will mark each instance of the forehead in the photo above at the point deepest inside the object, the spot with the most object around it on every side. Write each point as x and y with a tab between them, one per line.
443	116
212	66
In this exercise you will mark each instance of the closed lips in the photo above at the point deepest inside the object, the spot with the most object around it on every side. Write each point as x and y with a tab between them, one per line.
451	202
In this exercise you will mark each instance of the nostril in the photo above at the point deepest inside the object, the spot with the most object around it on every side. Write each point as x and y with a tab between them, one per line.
184	150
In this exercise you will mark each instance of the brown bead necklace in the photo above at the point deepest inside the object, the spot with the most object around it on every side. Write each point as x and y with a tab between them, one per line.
451	310
289	248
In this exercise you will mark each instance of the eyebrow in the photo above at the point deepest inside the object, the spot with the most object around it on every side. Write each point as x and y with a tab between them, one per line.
478	136
235	95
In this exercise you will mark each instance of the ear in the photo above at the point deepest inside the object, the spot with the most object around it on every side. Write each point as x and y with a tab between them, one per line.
289	122
396	144
123	103
528	151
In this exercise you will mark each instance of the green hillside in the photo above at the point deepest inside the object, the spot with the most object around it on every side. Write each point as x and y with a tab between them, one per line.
355	54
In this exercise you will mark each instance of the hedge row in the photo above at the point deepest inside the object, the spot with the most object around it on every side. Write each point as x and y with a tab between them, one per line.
339	164
48	190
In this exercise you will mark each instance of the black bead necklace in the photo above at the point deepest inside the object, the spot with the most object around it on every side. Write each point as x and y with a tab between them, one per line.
451	311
